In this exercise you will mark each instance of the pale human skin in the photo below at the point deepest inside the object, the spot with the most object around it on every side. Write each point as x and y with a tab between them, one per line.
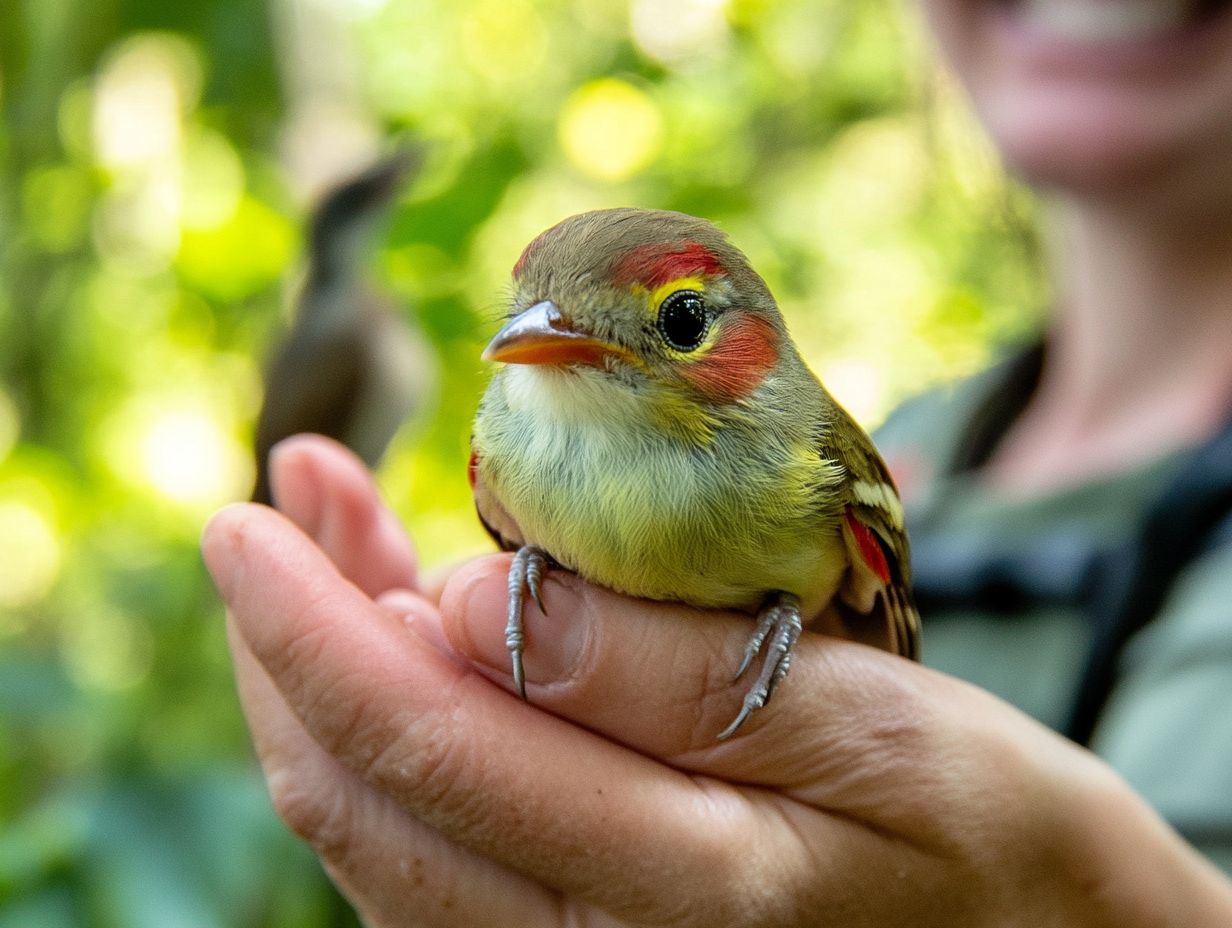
873	791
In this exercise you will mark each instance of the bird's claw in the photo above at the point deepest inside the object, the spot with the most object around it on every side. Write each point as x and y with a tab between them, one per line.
525	574
779	620
765	624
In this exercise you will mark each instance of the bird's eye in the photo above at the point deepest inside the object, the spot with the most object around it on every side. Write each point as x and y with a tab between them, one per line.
683	320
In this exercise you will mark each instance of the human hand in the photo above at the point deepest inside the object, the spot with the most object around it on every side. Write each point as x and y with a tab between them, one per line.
870	792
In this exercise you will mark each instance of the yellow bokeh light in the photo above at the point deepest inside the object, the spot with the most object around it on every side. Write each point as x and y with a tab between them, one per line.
29	554
145	87
212	180
249	251
859	386
181	449
610	129
673	30
185	456
504	40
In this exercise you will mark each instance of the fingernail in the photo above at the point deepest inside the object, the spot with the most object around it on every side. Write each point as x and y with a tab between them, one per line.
554	644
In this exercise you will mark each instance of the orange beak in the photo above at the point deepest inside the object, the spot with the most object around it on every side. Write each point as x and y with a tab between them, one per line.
540	336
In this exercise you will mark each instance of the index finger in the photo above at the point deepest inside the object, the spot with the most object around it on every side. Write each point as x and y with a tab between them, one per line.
327	491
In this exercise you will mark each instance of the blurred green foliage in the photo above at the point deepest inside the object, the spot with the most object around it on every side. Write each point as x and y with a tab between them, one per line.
150	228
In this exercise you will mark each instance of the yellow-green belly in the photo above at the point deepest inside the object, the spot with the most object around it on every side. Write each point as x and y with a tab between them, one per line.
632	509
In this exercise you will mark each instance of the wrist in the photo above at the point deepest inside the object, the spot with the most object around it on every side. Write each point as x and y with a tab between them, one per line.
1130	869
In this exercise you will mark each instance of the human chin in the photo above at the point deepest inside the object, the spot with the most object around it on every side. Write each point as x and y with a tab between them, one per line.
1096	141
1092	93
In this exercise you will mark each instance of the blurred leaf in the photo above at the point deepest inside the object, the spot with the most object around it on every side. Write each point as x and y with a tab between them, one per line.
53	908
241	256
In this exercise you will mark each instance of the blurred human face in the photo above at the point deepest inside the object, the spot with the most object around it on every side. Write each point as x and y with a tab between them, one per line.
1099	97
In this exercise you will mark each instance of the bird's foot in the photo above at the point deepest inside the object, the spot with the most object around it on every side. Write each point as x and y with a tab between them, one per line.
525	574
780	622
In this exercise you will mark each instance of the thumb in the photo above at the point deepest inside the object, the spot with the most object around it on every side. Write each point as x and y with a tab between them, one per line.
850	727
657	676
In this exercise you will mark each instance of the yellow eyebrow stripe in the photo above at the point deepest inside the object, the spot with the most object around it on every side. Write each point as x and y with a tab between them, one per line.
663	291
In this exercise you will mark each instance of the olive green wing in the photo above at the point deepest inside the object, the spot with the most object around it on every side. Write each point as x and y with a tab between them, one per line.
878	585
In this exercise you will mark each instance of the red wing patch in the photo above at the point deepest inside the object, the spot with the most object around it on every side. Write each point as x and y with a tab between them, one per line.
870	547
655	265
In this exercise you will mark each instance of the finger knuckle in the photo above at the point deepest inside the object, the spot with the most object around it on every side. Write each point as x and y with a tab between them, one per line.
320	816
424	761
449	776
351	715
350	721
305	644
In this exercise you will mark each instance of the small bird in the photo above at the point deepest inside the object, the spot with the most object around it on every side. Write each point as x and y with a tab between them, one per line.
653	428
352	367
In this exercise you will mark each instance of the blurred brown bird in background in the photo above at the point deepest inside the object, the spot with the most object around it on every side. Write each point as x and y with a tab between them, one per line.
352	367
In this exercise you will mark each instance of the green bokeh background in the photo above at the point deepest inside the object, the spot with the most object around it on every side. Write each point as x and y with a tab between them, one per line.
157	162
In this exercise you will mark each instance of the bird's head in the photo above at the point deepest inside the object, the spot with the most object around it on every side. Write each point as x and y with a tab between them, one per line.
650	299
345	219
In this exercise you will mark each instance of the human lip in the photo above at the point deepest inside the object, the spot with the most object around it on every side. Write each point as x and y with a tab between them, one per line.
1102	22
1097	34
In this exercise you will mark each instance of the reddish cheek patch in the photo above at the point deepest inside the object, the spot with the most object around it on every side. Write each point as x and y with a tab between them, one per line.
472	469
746	351
655	265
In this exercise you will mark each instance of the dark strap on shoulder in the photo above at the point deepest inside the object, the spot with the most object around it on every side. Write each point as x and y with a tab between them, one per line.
1191	516
1015	382
1120	588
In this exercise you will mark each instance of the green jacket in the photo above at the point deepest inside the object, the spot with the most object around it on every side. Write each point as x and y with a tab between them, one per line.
1014	597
